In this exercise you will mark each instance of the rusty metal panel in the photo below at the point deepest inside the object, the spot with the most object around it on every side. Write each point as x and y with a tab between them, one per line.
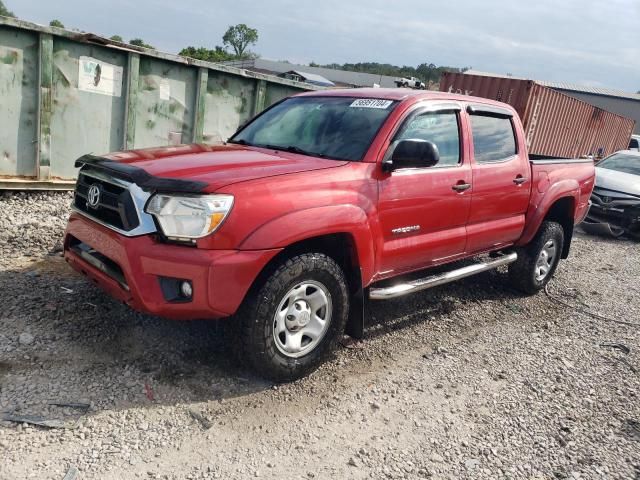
228	104
513	91
18	102
555	124
84	120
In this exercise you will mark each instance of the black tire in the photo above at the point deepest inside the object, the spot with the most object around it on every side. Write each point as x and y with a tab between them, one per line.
523	273
256	317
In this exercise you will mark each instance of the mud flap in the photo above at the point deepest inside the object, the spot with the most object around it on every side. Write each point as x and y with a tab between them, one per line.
357	310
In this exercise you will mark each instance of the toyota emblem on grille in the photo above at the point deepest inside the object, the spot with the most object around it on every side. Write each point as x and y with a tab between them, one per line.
606	199
93	196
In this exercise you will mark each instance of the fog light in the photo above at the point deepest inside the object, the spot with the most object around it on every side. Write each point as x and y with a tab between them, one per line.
186	289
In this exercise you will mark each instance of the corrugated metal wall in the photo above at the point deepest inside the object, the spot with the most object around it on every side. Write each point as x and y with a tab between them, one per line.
555	124
625	107
64	94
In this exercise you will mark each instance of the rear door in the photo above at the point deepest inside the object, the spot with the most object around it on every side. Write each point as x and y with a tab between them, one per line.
423	211
501	183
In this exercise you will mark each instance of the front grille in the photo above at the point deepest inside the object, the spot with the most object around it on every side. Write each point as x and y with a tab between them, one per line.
603	196
115	207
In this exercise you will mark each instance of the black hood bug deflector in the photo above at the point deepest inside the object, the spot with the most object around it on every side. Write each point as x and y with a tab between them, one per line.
141	177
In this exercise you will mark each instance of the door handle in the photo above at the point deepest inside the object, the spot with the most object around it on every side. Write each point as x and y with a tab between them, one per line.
519	180
461	187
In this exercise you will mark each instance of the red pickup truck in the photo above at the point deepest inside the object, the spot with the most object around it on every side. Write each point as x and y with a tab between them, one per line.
320	204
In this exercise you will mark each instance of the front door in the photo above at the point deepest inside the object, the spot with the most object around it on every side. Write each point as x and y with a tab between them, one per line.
423	211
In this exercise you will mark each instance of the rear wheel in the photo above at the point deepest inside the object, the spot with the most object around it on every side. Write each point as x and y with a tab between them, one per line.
537	262
295	317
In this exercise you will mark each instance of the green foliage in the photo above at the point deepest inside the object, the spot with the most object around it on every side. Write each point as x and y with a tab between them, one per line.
56	23
138	42
4	11
239	37
219	54
427	72
116	38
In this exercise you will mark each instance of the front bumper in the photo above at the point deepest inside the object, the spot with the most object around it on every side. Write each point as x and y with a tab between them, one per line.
130	269
613	220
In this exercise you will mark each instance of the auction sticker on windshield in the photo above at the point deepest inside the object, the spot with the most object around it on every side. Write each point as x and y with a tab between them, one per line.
371	103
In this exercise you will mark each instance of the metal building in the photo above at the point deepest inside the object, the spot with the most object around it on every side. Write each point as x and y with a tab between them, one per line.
311	78
341	78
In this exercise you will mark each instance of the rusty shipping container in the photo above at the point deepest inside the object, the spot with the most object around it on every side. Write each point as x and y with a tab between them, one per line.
555	124
64	94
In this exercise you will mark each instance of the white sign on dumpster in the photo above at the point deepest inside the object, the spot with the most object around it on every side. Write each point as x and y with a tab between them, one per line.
99	77
165	89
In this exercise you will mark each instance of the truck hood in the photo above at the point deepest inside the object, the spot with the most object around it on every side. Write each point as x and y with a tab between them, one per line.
618	181
219	165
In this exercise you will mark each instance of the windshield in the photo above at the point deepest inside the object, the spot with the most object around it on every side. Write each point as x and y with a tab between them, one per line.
622	163
340	128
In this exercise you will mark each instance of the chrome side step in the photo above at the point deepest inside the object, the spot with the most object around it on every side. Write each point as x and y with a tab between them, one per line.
439	279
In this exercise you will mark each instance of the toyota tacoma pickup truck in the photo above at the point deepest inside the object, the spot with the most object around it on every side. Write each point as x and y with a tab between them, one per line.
318	207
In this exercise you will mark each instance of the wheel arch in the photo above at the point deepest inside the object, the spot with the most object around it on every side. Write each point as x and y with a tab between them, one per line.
331	228
343	249
558	204
561	211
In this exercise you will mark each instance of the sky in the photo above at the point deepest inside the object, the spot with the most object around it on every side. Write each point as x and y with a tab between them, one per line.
593	43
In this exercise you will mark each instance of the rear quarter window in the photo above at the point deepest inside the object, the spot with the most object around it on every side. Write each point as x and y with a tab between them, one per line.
493	138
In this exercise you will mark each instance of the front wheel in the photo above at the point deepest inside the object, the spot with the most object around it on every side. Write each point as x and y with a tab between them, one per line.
295	317
537	262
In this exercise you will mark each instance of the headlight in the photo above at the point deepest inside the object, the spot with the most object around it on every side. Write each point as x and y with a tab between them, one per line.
187	217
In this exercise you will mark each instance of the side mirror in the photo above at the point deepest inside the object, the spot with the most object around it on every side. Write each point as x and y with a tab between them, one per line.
412	153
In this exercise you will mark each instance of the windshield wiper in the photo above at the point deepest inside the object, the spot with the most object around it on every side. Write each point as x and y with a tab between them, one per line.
293	149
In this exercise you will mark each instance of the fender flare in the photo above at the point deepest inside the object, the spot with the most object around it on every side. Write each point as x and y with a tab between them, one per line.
538	211
315	222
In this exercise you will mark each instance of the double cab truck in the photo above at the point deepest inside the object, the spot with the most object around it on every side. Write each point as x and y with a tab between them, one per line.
321	205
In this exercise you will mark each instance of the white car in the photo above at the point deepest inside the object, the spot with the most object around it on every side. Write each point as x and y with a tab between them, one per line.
634	143
615	201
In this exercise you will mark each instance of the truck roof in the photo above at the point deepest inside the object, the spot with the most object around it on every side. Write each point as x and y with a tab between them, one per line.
398	94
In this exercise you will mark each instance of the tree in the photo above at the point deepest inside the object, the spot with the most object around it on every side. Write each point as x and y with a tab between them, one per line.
4	11
116	38
219	54
239	37
138	42
56	23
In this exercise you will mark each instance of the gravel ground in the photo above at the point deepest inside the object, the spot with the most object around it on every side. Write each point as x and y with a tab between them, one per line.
469	380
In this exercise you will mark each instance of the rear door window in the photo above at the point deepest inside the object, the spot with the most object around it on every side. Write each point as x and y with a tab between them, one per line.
493	138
